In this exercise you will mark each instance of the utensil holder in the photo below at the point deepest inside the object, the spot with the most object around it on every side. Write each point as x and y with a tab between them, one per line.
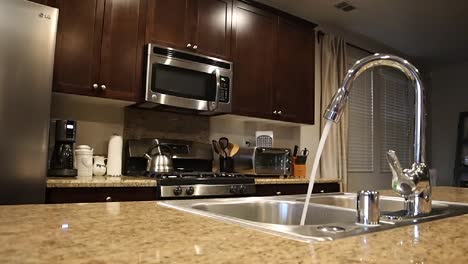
226	164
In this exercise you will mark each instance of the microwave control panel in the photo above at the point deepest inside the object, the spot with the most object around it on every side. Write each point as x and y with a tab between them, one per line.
224	90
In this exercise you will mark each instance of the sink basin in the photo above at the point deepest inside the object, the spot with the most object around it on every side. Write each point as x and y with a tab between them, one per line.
329	217
277	212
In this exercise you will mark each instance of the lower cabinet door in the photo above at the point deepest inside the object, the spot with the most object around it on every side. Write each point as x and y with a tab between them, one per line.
290	189
99	195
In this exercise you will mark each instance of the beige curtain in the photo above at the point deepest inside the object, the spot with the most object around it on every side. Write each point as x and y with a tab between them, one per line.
332	50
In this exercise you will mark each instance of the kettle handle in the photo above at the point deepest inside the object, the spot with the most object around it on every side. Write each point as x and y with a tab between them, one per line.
150	150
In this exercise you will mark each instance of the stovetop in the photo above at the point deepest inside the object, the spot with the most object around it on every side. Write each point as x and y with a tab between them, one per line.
190	178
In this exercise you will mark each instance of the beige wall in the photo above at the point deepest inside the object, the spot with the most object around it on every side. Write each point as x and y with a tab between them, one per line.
449	97
240	129
97	119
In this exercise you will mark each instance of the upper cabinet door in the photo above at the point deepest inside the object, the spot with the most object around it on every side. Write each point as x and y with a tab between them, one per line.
121	48
78	46
295	71
212	27
254	52
168	23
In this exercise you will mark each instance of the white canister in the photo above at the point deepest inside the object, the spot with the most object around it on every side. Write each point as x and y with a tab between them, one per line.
99	166
114	156
84	161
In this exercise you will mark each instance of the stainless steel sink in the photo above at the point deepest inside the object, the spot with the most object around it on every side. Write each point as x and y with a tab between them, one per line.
277	212
330	216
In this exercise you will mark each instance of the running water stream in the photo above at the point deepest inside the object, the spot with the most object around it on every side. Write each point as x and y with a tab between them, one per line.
323	139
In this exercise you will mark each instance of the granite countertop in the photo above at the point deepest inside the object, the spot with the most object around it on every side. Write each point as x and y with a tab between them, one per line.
100	181
144	232
130	181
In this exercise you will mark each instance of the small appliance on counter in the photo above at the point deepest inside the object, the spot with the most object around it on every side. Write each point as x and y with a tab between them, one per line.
263	161
186	169
62	161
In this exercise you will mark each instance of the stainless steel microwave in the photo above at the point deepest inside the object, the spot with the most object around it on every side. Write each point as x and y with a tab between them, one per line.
186	80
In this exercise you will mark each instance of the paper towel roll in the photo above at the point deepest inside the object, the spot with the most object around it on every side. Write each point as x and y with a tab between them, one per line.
114	156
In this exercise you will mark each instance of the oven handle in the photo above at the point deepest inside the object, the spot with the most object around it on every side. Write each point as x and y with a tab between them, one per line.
218	84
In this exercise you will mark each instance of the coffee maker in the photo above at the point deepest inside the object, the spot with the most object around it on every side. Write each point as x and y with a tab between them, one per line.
61	163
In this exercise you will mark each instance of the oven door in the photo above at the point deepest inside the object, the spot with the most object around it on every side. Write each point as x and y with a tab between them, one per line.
187	84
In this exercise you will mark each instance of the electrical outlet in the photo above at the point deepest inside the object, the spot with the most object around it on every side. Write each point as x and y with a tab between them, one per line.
248	142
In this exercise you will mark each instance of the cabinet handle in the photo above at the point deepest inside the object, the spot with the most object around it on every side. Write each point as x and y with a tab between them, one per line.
280	112
278	193
108	199
195	47
103	87
95	86
275	112
189	45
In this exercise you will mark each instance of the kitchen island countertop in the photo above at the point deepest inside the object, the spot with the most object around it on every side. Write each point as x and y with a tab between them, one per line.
145	232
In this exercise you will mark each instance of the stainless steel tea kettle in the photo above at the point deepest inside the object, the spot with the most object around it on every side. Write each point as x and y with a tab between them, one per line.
159	162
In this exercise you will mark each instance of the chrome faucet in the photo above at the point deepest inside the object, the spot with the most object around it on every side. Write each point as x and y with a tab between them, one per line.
413	184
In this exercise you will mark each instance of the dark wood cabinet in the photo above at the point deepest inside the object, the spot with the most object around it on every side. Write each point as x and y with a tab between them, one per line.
78	46
121	50
167	23
212	27
254	52
290	189
99	195
294	72
98	48
202	26
274	65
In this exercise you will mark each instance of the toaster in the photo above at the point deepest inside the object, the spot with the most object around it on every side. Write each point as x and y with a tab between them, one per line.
263	161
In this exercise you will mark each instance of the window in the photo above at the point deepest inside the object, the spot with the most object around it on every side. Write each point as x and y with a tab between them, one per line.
380	118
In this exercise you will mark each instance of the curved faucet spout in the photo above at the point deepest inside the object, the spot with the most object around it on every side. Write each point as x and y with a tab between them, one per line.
418	173
338	103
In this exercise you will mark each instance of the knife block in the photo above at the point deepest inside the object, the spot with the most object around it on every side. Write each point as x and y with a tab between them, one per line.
299	170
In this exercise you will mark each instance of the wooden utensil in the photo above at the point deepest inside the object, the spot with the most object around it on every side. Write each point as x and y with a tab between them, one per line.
233	149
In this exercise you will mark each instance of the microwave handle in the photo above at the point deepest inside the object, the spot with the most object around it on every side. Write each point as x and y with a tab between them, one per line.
218	85
273	151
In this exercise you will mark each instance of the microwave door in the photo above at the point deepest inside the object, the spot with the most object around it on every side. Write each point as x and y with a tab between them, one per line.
183	84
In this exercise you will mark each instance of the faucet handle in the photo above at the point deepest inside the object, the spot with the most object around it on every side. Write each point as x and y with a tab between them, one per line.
401	182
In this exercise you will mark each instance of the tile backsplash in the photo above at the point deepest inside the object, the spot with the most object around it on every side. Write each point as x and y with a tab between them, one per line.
146	123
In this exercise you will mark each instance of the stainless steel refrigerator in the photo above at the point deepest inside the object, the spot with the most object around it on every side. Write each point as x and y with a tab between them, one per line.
27	46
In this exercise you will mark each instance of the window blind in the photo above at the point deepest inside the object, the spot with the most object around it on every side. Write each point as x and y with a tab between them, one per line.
361	119
395	116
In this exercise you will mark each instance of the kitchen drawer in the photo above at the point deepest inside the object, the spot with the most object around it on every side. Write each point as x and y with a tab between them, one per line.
289	189
99	194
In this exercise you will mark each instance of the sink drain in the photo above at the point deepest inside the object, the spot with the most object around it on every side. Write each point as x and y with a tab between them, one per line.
331	229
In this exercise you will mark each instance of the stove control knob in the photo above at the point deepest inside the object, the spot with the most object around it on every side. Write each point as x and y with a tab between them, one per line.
177	191
190	190
234	189
242	189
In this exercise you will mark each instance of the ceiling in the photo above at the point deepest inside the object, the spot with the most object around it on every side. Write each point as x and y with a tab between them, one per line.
433	32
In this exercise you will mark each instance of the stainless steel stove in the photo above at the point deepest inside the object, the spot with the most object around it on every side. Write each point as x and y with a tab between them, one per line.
193	163
203	184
